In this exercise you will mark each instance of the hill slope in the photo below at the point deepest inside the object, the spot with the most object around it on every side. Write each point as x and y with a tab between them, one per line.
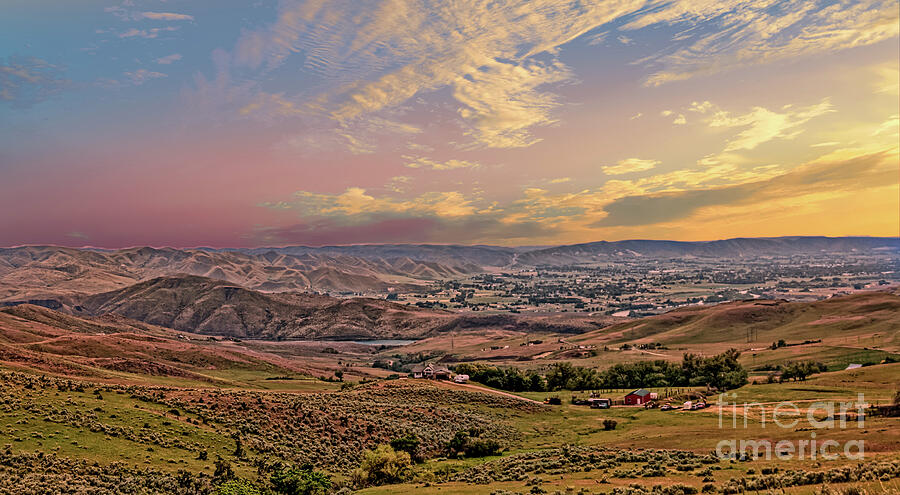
865	315
113	347
727	248
42	272
215	307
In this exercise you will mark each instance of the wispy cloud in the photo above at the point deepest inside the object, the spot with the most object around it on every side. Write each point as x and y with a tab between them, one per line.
25	81
495	64
422	162
140	76
761	124
501	67
166	16
630	165
126	12
737	33
168	59
150	33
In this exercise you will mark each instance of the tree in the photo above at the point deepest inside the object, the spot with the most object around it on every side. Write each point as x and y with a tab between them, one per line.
300	481
223	471
457	444
559	375
238	446
471	445
381	466
409	444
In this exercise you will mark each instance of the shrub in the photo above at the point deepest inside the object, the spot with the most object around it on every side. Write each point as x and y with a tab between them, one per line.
468	444
609	424
482	448
223	471
237	487
300	481
384	465
409	444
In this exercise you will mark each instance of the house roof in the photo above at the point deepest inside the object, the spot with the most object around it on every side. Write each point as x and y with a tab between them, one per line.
640	392
419	368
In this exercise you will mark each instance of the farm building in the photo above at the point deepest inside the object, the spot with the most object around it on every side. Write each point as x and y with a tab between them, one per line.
431	371
638	397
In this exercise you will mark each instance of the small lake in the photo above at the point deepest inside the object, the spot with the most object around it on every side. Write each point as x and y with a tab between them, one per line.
382	342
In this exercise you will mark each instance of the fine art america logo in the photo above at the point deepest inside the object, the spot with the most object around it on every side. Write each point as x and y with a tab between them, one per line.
818	418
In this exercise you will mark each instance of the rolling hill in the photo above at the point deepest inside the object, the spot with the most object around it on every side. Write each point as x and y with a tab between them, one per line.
44	272
116	348
728	248
846	319
215	307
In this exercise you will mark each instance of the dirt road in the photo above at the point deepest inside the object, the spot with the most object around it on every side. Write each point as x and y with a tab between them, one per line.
491	391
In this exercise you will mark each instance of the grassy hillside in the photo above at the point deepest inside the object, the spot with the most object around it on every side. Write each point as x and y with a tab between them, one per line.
852	317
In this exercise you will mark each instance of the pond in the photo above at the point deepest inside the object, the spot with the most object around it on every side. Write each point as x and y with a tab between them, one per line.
383	342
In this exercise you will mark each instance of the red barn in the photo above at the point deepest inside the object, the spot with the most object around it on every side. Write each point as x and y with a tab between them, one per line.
638	397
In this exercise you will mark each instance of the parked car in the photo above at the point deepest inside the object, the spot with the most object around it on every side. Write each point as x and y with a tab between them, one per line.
666	407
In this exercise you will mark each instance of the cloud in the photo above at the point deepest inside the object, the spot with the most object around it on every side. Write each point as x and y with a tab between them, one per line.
357	216
166	16
837	176
630	165
125	13
724	35
422	162
762	125
146	33
399	184
168	59
501	69
25	81
356	202
141	76
891	126
887	78
715	195
495	64
598	39
561	180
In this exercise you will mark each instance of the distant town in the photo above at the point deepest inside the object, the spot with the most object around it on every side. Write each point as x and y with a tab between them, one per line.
643	287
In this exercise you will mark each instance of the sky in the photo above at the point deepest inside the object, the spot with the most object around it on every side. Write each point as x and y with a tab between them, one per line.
510	122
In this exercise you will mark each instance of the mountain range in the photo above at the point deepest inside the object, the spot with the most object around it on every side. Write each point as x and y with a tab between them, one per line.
48	272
